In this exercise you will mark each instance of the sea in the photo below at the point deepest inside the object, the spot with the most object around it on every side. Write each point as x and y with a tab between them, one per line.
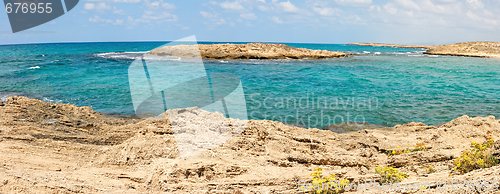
377	85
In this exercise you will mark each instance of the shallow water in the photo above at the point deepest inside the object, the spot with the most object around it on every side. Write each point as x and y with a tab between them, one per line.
383	85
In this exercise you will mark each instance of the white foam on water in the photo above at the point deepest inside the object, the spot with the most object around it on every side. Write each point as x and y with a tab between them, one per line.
5	95
50	100
34	67
121	55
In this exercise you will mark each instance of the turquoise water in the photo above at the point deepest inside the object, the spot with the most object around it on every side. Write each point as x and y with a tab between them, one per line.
382	85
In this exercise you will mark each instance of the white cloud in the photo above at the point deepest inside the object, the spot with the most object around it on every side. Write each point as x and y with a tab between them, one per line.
127	1
212	18
248	16
154	11
245	8
276	20
234	5
97	19
324	11
428	14
354	2
288	6
403	16
96	6
153	16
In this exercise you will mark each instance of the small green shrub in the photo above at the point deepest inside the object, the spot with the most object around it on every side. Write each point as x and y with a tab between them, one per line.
477	157
429	169
420	147
327	184
390	174
399	150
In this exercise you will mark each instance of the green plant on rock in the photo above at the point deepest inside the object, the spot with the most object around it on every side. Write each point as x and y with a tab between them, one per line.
478	156
420	147
327	184
398	151
390	174
429	169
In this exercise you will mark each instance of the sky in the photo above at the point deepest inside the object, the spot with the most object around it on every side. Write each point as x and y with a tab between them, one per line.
306	21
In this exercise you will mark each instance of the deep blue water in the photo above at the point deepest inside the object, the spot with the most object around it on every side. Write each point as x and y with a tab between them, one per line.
382	85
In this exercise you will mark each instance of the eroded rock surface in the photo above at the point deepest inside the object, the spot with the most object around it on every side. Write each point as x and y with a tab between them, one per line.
467	49
57	148
245	51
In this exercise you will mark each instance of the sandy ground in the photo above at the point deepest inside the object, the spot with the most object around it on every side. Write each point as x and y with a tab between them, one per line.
57	148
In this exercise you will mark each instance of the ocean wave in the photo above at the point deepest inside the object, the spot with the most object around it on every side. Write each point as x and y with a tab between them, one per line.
137	55
51	100
121	55
389	53
34	67
5	95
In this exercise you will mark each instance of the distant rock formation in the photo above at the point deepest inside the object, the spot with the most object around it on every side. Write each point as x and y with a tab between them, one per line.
245	51
467	49
390	45
464	49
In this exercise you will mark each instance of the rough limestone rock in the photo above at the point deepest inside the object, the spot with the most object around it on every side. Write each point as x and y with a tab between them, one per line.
244	51
57	148
463	49
467	49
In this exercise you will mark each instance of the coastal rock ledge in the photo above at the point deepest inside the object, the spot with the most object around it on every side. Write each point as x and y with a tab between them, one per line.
61	148
245	51
467	49
463	49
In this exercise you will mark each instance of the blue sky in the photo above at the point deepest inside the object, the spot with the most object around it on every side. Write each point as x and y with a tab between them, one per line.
319	21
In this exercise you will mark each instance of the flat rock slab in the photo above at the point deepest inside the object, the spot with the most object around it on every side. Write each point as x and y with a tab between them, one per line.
468	49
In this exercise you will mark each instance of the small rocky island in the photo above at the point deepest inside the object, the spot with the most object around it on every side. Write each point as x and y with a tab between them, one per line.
245	51
467	49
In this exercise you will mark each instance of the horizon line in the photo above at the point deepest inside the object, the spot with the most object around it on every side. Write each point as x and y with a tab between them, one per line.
164	41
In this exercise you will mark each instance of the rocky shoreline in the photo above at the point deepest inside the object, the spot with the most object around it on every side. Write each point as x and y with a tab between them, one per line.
244	51
280	51
59	148
464	49
467	49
